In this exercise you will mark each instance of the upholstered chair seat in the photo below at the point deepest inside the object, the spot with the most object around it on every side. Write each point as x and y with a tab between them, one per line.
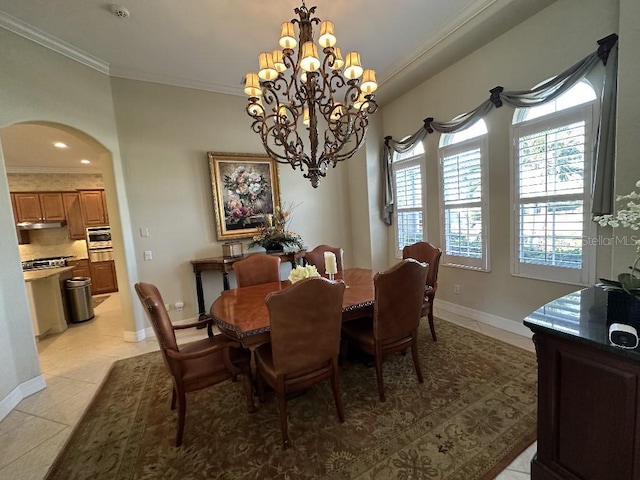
427	253
399	295
256	269
196	365
305	321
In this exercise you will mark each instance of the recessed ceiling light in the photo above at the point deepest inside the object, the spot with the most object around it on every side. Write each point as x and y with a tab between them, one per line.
85	161
60	145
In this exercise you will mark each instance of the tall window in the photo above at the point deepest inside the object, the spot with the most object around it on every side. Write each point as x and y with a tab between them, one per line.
552	173
408	175
463	180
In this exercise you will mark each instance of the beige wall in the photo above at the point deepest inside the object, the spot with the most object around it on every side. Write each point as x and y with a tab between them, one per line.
543	46
42	86
165	133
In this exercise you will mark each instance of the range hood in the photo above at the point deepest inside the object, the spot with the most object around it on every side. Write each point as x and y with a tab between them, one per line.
39	225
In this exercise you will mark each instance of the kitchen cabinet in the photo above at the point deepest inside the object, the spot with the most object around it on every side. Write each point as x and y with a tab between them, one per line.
103	277
73	214
81	267
23	235
39	207
94	208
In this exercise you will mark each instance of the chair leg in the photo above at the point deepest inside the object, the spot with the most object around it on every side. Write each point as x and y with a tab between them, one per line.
248	390
173	398
335	386
416	359
378	360
282	407
182	410
431	326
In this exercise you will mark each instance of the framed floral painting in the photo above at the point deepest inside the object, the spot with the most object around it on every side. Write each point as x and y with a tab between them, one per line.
245	189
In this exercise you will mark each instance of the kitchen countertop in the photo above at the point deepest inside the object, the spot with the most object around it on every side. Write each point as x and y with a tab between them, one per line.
32	275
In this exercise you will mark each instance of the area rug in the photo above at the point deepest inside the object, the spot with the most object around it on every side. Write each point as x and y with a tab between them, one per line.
98	300
474	413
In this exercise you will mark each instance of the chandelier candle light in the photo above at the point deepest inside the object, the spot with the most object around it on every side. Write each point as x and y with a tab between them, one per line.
295	91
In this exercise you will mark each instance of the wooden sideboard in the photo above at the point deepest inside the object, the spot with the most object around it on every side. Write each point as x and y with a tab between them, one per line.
588	392
224	265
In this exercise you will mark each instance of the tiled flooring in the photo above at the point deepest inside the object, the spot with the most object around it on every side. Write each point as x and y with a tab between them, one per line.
75	362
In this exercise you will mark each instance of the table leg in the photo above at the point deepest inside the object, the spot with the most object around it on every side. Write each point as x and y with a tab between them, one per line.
225	280
200	294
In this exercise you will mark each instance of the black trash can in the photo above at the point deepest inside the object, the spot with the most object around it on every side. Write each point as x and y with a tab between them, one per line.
79	296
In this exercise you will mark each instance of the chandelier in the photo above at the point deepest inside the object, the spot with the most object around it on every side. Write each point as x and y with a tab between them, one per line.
295	91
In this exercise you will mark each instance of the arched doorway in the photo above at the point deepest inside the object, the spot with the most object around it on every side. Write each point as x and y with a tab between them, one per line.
34	163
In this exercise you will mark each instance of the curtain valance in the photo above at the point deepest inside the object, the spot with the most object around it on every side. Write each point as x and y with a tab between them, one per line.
604	151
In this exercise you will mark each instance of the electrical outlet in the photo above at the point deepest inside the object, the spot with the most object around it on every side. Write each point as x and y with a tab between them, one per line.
148	255
456	289
179	305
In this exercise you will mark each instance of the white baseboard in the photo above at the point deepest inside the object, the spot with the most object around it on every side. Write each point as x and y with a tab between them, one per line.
136	336
22	391
442	308
148	331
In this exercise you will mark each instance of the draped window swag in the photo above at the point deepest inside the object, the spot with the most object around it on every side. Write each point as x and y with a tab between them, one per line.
604	161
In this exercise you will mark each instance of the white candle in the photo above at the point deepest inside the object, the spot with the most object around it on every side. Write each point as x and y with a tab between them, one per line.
330	265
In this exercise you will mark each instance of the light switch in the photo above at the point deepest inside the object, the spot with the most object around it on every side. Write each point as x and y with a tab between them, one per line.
144	231
148	255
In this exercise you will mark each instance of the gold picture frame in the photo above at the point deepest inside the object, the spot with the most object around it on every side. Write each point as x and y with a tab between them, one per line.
245	188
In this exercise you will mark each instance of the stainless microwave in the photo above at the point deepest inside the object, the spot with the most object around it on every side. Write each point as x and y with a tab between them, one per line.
98	238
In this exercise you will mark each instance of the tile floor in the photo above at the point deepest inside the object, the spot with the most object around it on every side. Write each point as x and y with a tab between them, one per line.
74	364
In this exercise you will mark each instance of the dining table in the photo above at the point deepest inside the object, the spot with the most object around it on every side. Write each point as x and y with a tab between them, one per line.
242	313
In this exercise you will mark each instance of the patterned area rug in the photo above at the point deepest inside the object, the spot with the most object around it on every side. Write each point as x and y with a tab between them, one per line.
98	300
475	412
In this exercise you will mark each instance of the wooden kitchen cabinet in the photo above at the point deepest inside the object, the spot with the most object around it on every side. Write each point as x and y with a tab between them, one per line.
81	267
73	213
39	207
23	235
94	208
103	277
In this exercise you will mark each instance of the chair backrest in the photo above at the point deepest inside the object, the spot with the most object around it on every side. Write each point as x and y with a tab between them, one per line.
305	322
316	257
427	253
399	295
257	268
159	319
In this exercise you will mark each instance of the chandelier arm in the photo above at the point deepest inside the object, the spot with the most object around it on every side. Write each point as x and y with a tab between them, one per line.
288	106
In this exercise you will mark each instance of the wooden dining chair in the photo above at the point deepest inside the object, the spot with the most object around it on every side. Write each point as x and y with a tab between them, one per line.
399	293
427	253
257	268
316	257
196	365
305	320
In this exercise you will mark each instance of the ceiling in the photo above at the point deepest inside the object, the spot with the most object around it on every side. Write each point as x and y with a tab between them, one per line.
211	44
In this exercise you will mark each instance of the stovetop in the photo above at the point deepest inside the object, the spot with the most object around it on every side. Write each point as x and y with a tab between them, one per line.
49	262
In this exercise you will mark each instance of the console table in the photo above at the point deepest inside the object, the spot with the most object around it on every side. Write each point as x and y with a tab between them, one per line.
225	265
588	392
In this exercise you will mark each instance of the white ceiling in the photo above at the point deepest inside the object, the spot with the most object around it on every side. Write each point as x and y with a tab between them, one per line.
212	44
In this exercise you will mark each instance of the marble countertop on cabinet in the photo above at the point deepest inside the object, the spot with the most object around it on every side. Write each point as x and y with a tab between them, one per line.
32	275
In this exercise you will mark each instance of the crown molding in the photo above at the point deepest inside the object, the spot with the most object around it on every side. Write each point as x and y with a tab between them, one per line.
36	35
81	170
178	82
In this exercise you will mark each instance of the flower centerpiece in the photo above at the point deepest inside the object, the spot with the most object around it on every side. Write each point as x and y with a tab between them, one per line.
300	273
273	233
629	218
